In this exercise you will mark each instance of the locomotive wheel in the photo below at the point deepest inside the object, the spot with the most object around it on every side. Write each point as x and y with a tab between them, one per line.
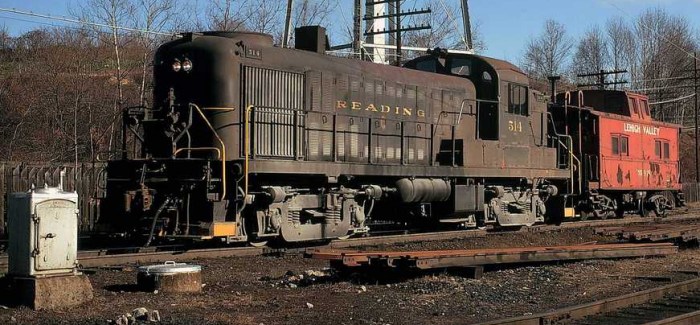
610	214
258	243
601	214
620	213
584	215
608	208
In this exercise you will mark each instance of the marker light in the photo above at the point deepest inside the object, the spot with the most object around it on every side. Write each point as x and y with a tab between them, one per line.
187	65
177	66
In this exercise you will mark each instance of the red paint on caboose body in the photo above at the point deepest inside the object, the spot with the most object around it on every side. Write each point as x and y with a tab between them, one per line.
635	153
628	161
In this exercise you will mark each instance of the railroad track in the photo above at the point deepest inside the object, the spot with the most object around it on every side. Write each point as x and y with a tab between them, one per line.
673	304
135	255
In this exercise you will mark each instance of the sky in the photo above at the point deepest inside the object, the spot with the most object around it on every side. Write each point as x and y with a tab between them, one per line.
505	25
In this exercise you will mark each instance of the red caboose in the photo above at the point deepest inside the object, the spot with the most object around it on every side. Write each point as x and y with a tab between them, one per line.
626	160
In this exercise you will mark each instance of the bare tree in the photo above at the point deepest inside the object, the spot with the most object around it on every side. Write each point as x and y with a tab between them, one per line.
115	14
664	45
621	46
226	15
266	16
446	31
620	39
546	54
591	55
313	12
152	16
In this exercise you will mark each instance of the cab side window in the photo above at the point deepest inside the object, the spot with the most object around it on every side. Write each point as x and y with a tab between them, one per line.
460	67
517	99
429	65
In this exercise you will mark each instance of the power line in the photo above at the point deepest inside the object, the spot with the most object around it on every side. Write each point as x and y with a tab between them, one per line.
661	88
82	22
673	100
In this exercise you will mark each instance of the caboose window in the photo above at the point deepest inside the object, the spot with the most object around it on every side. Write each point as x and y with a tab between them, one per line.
517	99
645	105
620	145
662	149
624	147
633	104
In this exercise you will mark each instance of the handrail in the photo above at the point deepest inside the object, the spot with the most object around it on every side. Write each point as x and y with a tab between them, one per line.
461	108
229	109
246	150
215	149
569	148
572	157
223	150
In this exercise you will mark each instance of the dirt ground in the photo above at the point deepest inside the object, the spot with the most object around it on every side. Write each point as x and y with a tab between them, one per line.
268	290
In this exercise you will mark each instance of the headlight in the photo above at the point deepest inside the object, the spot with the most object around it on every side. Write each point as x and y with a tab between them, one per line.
177	66
187	65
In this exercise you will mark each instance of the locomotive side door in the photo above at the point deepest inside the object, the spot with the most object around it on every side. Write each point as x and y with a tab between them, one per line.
516	131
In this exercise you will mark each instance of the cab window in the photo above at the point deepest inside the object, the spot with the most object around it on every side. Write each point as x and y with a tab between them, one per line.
429	65
461	67
517	99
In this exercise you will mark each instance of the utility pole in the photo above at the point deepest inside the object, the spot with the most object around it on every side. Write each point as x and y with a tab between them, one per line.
467	25
356	30
397	7
287	23
601	79
695	83
397	14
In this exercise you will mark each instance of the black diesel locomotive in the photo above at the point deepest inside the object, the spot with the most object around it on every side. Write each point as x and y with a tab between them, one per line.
249	142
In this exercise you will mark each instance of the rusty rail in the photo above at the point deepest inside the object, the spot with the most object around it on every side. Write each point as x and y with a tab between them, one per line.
478	257
112	258
610	305
654	233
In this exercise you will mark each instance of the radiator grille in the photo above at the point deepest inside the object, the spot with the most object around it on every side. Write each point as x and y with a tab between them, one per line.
277	118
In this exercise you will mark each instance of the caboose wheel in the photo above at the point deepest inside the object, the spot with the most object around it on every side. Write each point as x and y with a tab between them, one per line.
660	205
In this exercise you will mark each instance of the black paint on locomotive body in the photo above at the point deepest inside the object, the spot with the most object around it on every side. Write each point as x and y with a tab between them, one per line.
256	142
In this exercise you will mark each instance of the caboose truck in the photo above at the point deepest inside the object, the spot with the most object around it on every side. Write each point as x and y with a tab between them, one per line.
630	161
250	142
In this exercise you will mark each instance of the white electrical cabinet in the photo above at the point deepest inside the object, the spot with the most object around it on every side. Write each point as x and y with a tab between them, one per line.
43	230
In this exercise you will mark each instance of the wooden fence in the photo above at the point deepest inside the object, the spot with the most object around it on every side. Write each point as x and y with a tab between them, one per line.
87	179
692	192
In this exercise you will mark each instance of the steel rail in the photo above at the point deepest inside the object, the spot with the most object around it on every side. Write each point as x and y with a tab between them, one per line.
106	257
608	305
